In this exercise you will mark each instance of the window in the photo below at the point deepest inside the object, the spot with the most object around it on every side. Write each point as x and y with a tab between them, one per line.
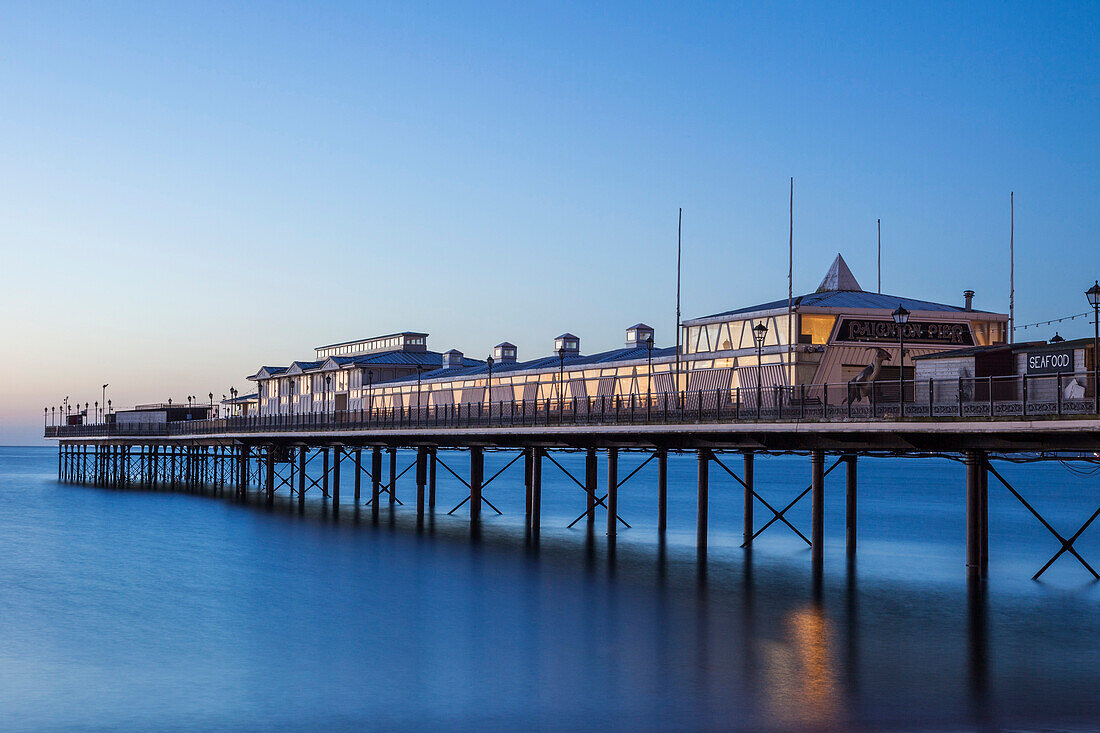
816	328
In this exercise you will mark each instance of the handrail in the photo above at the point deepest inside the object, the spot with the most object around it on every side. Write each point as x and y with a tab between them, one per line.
963	398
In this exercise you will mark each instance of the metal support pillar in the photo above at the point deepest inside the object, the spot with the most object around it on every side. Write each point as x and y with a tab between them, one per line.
431	479
270	480
528	467
393	475
612	491
750	500
536	490
662	489
477	475
974	466
421	480
702	500
983	488
324	472
337	459
302	476
850	505
375	478
358	472
817	506
590	479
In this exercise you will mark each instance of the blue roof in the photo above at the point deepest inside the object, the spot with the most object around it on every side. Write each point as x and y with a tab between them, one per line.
572	362
847	299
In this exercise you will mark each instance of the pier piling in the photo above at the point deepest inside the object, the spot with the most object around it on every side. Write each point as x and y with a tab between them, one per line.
612	491
747	528
850	505
817	506
702	500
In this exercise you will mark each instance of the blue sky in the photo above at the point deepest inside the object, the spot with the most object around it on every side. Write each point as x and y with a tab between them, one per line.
192	190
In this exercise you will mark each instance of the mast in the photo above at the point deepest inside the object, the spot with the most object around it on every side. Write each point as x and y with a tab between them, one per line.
679	233
790	272
879	256
1011	267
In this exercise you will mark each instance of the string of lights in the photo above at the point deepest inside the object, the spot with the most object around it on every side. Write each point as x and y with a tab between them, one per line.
1053	320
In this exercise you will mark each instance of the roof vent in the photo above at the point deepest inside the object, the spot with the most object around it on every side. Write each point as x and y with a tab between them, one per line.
452	358
638	335
567	345
505	353
968	300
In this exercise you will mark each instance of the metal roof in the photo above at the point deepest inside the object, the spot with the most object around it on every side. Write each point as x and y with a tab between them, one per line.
847	299
546	362
372	338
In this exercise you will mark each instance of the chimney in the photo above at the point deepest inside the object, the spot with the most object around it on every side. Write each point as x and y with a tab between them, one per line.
968	300
567	344
505	353
452	358
637	335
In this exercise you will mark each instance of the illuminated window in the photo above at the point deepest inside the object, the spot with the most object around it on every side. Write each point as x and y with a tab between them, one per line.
816	328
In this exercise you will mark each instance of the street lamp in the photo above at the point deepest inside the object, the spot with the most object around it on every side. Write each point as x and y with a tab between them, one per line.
1093	294
561	382
45	413
103	401
759	331
328	384
649	379
370	391
489	388
109	406
418	372
901	317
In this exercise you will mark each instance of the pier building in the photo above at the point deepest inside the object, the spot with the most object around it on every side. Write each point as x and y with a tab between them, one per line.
783	349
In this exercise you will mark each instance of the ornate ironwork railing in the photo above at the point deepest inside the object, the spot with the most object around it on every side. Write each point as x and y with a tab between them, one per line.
975	398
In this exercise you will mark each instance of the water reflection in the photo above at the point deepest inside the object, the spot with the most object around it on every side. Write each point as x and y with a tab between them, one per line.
561	629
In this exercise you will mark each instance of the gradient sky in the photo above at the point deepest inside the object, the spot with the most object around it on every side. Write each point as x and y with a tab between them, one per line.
191	191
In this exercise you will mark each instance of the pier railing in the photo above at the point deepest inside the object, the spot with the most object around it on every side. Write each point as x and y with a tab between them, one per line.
966	398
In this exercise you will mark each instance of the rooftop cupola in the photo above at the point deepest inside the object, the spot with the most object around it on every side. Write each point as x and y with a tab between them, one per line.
452	358
839	277
505	353
638	335
567	345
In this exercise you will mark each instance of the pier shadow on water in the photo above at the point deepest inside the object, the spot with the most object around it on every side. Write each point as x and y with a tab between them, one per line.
139	609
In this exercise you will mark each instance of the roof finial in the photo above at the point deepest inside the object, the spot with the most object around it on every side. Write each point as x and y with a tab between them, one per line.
839	277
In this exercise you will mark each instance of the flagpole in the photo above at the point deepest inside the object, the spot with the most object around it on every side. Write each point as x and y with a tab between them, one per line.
679	236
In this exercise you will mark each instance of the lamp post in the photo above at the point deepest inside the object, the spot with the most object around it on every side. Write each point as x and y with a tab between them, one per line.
290	396
759	332
1093	294
418	372
53	415
328	385
109	406
489	388
649	377
45	413
103	400
901	317
370	391
561	382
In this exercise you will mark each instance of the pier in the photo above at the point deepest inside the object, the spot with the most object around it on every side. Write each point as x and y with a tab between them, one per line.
260	457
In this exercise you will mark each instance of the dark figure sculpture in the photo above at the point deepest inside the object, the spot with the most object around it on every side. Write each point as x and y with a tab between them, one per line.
860	386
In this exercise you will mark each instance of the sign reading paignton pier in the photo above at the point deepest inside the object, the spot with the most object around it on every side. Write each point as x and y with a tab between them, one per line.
869	330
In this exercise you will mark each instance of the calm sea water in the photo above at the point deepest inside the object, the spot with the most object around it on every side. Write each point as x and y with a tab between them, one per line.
137	610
